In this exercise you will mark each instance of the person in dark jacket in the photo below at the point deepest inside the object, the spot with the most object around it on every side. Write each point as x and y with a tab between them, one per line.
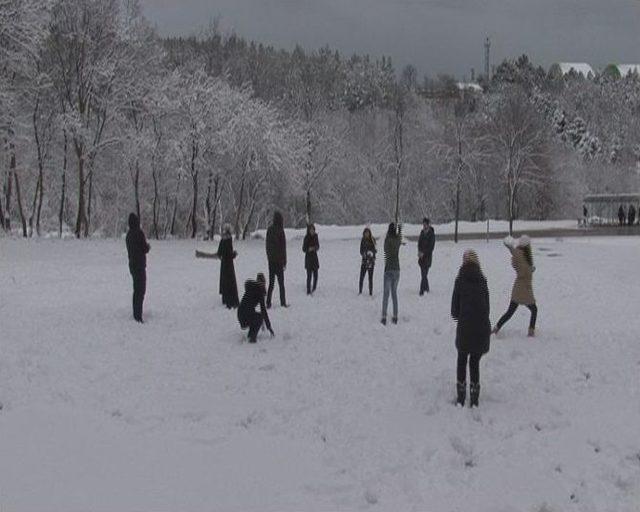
621	215
470	309
137	249
368	254
631	215
391	271
426	243
247	315
310	247
228	284
277	257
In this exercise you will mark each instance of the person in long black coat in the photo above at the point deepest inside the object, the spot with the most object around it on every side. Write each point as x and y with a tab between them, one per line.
310	247
426	244
254	292
137	249
368	258
228	284
470	309
621	215
276	245
631	215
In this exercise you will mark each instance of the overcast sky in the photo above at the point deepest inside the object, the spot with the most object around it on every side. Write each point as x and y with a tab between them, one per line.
438	36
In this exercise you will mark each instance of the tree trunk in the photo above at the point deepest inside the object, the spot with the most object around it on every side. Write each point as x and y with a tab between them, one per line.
216	202
8	194
240	206
194	178
63	193
172	231
207	205
155	205
90	199
455	235
23	219
308	206
81	219
136	190
2	218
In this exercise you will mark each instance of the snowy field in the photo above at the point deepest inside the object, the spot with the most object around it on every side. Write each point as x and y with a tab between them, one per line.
335	413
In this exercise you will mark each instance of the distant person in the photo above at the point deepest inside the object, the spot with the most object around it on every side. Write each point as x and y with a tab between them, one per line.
585	215
137	249
470	309
277	256
368	258
621	215
631	215
426	243
228	284
392	244
310	247
248	317
522	292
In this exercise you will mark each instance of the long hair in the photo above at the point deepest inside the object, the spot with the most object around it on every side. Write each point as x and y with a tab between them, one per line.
364	235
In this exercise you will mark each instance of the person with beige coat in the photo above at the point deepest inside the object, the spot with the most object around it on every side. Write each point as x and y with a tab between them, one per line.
522	292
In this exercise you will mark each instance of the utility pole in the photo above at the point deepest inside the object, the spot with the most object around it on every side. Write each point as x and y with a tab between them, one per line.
487	59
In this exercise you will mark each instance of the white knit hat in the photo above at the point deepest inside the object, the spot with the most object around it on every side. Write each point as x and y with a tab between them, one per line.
524	241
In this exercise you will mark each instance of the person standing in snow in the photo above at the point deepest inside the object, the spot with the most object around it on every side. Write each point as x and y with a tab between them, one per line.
522	292
310	247
426	243
137	249
621	215
392	244
470	309
368	254
254	292
277	257
228	284
631	215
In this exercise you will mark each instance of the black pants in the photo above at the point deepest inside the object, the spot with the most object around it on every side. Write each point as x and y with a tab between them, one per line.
424	283
363	270
139	288
276	270
312	274
512	309
253	321
474	367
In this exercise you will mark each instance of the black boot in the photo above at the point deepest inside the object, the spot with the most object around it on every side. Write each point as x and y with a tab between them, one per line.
461	387
474	392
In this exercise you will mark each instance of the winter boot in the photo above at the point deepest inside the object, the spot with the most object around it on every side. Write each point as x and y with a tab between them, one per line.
474	392
383	321
461	388
394	320
532	332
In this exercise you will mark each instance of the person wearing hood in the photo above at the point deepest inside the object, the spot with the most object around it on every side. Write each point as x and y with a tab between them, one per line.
368	259
310	247
470	309
249	318
276	245
137	249
228	284
522	292
426	243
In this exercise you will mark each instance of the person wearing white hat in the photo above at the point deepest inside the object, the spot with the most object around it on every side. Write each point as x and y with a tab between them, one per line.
522	292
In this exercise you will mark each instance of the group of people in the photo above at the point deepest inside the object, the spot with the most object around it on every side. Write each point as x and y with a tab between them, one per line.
469	304
628	218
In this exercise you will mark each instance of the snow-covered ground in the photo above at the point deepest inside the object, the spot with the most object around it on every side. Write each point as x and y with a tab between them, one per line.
335	413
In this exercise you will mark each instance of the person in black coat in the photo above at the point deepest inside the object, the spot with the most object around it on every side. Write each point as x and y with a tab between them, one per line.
137	249
277	257
470	309
426	243
310	247
621	215
368	254
228	284
247	315
631	215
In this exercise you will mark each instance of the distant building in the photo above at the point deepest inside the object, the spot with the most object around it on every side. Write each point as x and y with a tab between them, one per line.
560	69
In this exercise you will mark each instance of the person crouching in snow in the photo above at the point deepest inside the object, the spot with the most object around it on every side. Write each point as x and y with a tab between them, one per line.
254	292
470	309
310	247
522	292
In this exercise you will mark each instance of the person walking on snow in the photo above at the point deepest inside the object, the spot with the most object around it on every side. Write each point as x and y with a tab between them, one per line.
426	243
522	292
392	244
277	256
470	309
631	215
254	292
310	247
368	254
137	249
228	284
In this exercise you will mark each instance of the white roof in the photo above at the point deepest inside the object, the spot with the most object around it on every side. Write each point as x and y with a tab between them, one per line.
625	69
469	85
581	68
